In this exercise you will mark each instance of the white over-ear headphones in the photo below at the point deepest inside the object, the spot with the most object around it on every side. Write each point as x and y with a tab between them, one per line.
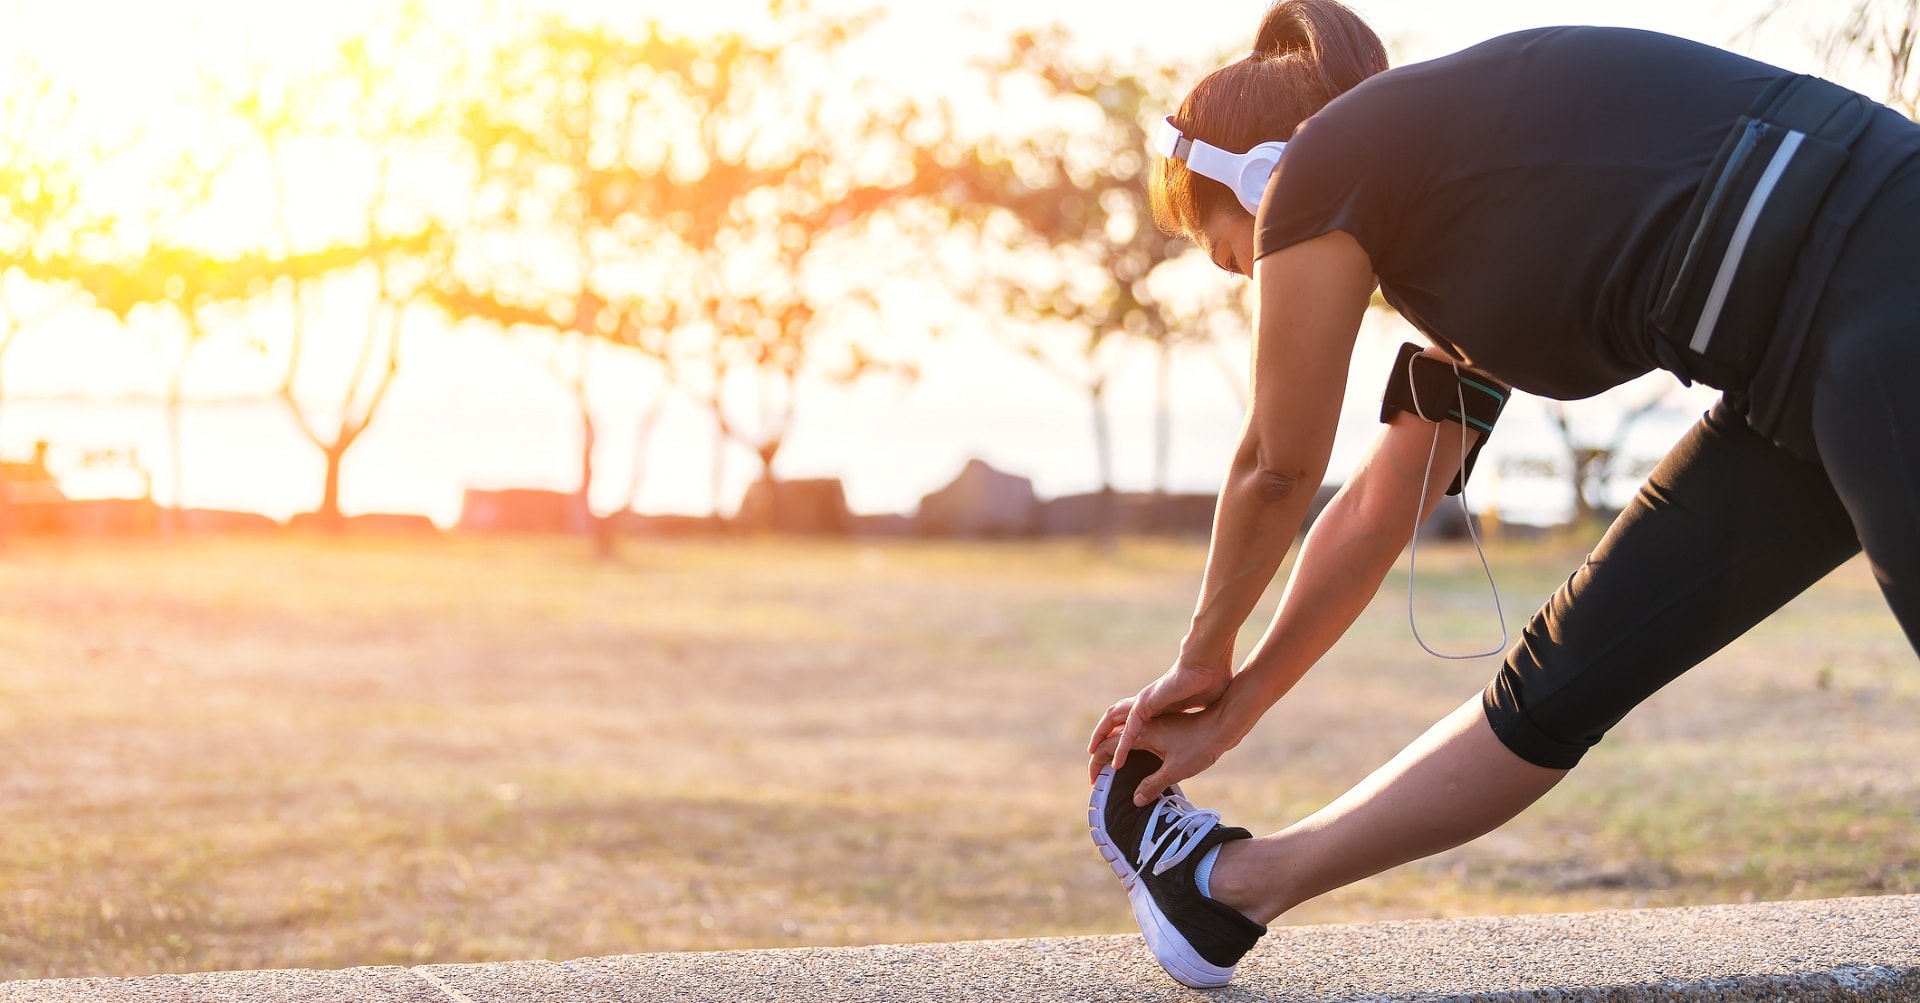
1244	173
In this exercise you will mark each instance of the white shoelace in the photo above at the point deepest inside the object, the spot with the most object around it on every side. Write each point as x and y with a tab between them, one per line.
1176	827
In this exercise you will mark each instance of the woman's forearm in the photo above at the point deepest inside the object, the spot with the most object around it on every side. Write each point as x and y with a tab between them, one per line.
1255	522
1341	565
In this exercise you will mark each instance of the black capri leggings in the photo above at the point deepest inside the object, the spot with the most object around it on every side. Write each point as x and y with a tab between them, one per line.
1730	526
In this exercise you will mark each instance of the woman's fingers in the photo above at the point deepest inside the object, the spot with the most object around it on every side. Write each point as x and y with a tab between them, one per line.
1108	753
1100	756
1136	722
1105	734
1108	722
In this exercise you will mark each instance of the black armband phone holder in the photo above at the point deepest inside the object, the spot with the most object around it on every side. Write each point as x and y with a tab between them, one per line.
1436	390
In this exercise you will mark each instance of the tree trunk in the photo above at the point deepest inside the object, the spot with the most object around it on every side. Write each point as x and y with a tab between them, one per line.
601	530
1162	429
642	437
1106	523
767	519
328	513
605	545
176	519
6	504
1585	465
718	472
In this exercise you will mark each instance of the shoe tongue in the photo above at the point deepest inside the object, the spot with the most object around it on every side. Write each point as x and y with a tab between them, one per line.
1221	834
1214	837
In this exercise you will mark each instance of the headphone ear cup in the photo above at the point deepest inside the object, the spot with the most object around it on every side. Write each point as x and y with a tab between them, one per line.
1256	166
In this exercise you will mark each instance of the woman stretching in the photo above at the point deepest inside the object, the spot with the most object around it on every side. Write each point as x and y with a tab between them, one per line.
1557	211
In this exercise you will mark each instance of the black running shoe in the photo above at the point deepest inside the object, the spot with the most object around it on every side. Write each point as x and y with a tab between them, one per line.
1155	851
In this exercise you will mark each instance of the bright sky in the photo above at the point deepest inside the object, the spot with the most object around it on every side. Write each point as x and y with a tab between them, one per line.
469	411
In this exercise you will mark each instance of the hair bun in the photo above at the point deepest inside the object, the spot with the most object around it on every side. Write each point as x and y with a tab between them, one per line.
1285	30
1343	50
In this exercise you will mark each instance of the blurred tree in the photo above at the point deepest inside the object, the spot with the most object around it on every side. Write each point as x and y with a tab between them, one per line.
561	110
198	292
1593	464
1883	34
383	141
1210	313
1872	40
188	286
191	288
683	196
1593	436
776	175
185	284
41	163
1078	262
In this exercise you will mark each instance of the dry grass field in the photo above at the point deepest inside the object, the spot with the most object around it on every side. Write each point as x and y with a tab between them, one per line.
267	753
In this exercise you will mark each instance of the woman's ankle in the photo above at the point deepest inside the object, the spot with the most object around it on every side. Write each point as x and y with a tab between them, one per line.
1244	877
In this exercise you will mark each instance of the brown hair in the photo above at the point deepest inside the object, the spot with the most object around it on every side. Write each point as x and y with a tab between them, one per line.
1307	53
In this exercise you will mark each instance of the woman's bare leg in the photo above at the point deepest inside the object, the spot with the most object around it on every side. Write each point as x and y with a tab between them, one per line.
1454	783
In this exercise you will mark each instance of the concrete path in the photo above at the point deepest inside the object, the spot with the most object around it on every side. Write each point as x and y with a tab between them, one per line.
1865	949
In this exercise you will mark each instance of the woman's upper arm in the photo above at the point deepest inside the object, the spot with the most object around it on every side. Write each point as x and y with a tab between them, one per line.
1410	451
1313	296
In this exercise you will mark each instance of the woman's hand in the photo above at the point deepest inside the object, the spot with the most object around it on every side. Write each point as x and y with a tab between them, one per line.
1187	745
1186	686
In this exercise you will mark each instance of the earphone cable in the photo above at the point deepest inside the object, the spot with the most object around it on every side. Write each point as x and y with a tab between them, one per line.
1413	557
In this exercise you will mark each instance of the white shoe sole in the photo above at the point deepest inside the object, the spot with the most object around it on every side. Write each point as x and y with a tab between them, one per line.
1169	948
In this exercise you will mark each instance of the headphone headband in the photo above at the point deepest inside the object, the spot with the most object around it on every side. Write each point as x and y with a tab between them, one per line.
1245	174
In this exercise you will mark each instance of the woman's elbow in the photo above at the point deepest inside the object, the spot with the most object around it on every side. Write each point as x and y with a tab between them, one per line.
1270	476
1274	485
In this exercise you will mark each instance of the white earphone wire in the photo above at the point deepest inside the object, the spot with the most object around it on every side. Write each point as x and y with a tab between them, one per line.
1413	556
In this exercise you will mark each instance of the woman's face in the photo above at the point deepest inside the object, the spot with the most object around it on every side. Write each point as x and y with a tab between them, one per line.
1227	237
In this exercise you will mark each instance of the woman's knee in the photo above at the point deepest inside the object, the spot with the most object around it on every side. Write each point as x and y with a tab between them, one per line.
1503	704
